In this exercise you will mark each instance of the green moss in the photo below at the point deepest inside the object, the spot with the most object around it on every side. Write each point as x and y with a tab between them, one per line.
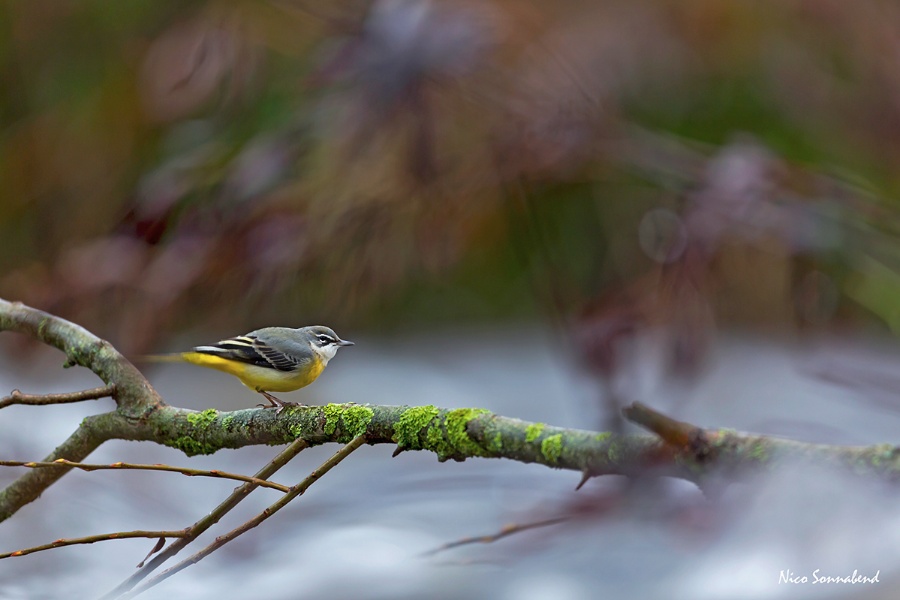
410	425
446	437
496	445
551	448
461	445
533	432
881	453
42	324
204	419
226	422
613	453
333	414
434	437
723	437
353	420
356	419
759	452
602	437
191	447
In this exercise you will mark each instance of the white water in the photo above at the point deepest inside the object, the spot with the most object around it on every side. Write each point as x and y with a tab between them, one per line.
359	531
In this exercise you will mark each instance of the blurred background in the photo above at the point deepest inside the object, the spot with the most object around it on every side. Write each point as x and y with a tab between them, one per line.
545	210
402	165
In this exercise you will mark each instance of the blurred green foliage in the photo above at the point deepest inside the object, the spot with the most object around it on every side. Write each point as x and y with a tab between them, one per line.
225	165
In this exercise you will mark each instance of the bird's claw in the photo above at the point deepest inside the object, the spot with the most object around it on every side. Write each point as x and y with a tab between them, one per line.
284	404
277	404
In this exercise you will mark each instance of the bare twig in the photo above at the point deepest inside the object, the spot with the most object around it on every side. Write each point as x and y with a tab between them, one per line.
102	537
140	467
17	397
675	433
220	541
210	519
156	548
507	530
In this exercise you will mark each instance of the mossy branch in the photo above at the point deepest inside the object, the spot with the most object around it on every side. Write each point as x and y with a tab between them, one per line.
676	448
134	396
459	434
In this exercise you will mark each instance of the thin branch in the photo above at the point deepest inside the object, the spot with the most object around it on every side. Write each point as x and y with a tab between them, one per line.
29	487
686	439
220	541
156	548
676	433
507	530
17	397
102	537
140	467
210	519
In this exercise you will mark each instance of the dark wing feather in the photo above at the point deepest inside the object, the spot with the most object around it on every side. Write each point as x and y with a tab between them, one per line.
276	358
250	350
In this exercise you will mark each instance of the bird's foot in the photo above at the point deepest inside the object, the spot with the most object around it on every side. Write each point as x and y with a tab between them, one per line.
278	405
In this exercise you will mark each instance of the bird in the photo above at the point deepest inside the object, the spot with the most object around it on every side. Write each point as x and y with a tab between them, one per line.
271	359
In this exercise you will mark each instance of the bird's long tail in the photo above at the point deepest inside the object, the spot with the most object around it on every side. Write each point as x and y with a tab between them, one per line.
202	359
161	358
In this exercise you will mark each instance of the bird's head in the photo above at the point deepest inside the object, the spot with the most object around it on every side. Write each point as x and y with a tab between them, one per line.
324	341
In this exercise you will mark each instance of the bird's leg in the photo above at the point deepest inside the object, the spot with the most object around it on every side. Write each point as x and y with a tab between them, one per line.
274	402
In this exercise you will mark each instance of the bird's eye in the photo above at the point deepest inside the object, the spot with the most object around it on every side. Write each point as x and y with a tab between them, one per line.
325	339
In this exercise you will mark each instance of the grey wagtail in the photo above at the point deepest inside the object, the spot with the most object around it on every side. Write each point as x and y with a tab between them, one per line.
272	359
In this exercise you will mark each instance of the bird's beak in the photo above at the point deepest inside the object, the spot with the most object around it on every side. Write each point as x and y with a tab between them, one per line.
345	343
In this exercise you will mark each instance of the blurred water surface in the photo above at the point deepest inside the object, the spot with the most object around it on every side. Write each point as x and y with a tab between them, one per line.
361	530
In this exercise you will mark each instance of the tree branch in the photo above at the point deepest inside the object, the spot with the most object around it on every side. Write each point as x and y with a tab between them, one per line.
90	539
678	449
506	531
138	467
210	519
220	541
17	397
134	396
29	487
465	433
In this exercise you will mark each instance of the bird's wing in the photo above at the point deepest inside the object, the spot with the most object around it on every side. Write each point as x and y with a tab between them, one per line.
250	349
